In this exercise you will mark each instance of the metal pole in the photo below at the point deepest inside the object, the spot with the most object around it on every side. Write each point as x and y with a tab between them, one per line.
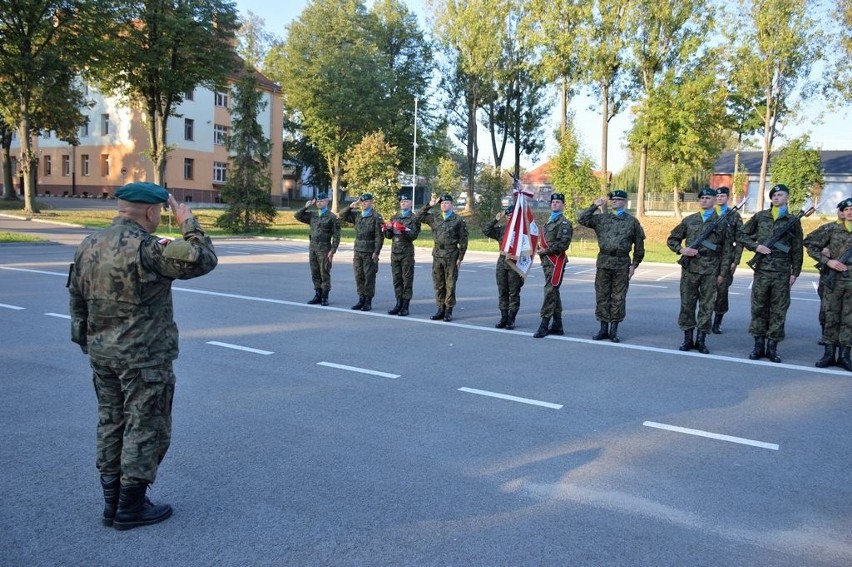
414	159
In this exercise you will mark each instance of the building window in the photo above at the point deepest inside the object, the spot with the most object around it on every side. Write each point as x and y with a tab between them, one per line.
66	166
220	134
84	129
222	99
188	168
105	165
189	95
104	124
48	166
84	164
188	129
220	172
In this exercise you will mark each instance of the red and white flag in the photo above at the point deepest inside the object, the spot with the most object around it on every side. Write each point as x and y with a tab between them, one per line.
520	238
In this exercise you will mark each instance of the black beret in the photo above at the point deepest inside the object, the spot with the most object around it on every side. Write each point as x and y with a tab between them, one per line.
706	192
844	203
723	190
557	197
618	194
779	187
445	197
142	192
322	196
404	197
366	197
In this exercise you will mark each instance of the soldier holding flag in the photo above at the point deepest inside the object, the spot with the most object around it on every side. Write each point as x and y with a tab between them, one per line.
555	240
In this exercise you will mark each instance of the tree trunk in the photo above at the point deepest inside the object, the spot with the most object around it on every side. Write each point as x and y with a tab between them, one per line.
563	126
336	172
471	148
640	190
676	199
26	161
8	185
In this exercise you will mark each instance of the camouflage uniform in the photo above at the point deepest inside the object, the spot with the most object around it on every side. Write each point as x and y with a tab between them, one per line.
450	246
368	241
837	302
402	254
734	221
557	234
698	279
617	236
770	292
325	238
121	314
509	281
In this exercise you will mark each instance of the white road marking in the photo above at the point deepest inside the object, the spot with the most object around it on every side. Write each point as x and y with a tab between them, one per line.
578	272
34	271
60	315
718	436
511	398
669	275
816	286
648	285
15	307
361	370
238	347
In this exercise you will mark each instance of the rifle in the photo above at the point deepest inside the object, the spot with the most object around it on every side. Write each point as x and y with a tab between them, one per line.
828	282
705	234
775	240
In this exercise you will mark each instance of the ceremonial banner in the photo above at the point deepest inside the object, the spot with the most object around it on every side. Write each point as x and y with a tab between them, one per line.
520	238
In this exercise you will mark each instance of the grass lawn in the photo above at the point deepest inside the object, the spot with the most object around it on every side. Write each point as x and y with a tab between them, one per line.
8	237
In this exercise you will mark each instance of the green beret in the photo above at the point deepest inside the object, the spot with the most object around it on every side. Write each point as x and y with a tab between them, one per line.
779	187
322	196
723	190
366	197
706	192
844	204
618	194
142	192
557	197
446	197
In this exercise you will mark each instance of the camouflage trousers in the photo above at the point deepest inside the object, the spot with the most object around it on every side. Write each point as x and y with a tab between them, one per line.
509	284
721	305
770	299
320	269
700	290
445	273
837	310
402	270
611	294
134	419
365	273
552	303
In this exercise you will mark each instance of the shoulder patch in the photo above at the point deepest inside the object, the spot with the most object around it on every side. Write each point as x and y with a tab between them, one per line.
181	250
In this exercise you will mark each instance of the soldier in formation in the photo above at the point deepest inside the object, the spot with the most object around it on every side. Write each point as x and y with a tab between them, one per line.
368	244
324	240
509	280
403	229
734	221
554	241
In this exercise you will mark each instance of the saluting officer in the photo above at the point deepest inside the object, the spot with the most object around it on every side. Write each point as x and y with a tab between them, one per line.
618	234
325	238
553	244
775	274
368	244
509	281
450	234
734	222
701	274
403	229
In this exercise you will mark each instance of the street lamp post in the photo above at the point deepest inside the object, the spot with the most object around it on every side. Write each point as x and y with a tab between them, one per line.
414	159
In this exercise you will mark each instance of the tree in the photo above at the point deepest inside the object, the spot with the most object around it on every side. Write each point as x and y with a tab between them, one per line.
6	145
573	175
247	189
163	50
447	179
799	168
372	166
743	120
44	44
254	41
492	185
838	71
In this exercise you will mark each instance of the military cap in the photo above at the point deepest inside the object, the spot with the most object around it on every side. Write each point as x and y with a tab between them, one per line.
142	192
557	197
446	197
618	194
779	187
403	196
723	190
847	202
322	196
366	197
706	192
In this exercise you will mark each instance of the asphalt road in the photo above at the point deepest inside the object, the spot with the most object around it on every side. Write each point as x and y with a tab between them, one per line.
307	435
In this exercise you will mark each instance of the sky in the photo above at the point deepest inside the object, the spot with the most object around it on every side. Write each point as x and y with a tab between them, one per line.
827	130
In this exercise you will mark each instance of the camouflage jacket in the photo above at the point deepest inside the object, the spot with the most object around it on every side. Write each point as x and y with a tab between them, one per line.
833	236
734	222
760	228
450	234
617	236
368	230
403	242
557	234
708	261
495	230
325	229
121	291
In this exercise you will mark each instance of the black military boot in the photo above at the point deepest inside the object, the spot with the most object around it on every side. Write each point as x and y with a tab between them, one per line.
368	303
717	324
448	314
843	360
556	325
439	314
134	509
687	341
700	343
543	328
772	351
827	358
504	318
821	342
403	309
510	322
759	349
397	307
111	485
324	301
603	333
613	333
316	298
360	304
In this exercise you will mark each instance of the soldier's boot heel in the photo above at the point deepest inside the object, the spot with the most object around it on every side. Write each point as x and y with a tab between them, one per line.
439	314
403	309
603	333
556	325
324	301
717	324
360	304
396	309
759	349
827	357
613	333
134	509
700	343
111	485
448	314
368	303
688	343
510	322
316	298
504	318
843	360
543	328
772	351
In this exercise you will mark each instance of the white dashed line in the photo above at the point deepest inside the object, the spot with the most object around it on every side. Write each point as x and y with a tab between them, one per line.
15	307
718	436
59	315
360	370
511	398
238	347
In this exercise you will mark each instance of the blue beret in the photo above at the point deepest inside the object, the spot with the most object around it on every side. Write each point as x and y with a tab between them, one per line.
706	192
142	192
618	194
557	197
844	204
446	197
779	187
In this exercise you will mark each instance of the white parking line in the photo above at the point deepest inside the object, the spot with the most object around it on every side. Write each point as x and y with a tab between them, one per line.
238	347
719	436
60	315
511	398
15	307
356	369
